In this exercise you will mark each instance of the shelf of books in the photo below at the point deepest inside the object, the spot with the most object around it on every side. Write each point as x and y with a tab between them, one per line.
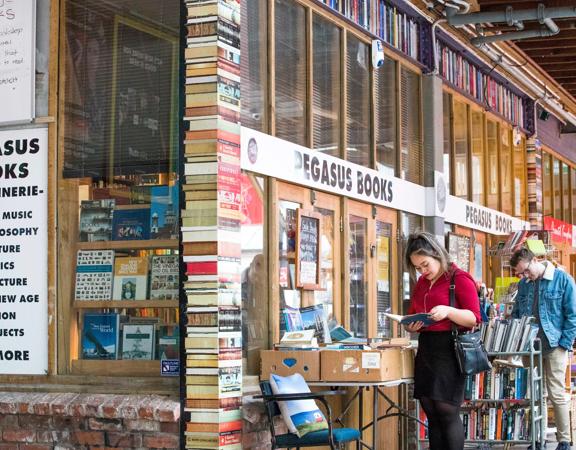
504	404
465	76
125	277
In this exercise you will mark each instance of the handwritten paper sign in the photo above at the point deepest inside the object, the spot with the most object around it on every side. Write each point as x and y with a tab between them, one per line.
459	250
308	250
17	50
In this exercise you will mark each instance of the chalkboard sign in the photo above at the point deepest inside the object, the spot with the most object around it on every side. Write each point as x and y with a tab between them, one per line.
308	250
459	250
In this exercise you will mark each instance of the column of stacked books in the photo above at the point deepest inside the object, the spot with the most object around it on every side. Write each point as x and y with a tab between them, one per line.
211	226
534	163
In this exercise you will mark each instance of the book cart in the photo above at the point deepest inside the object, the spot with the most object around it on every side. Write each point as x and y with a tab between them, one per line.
489	429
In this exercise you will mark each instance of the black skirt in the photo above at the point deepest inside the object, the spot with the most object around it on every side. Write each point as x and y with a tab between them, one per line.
436	373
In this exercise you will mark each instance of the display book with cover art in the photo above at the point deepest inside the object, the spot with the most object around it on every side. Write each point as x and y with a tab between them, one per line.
411	318
100	335
96	220
130	278
131	222
164	212
138	341
164	276
94	274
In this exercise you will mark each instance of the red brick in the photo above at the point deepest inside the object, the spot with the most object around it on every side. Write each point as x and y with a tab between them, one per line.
19	435
34	422
167	427
42	405
129	408
57	437
89	437
168	411
249	440
69	423
95	423
146	411
111	408
8	403
8	447
35	447
8	421
129	440
60	405
162	441
93	404
142	425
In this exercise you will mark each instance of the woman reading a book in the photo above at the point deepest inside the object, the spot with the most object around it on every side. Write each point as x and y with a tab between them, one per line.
438	383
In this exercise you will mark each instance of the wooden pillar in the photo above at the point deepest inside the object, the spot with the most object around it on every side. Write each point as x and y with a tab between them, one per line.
211	226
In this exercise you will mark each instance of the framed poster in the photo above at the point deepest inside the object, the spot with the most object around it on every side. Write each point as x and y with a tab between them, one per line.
144	100
459	250
308	228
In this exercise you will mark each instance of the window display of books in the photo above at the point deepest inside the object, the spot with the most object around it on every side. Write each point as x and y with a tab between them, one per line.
111	336
144	212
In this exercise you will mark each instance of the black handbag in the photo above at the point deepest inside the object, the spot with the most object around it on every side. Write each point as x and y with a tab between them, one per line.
469	349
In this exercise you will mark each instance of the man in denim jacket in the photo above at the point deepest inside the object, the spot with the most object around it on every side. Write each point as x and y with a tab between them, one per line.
549	294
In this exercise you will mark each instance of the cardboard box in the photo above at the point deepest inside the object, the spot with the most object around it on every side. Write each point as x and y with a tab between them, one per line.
359	365
284	363
407	357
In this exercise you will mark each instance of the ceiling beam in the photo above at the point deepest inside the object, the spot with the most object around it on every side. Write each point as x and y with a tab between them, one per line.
552	61
547	53
547	44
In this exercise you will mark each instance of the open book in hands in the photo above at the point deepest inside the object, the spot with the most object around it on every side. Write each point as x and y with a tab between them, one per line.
411	318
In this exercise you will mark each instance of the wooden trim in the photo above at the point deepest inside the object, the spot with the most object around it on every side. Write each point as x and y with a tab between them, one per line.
309	79
397	93
469	151
546	149
315	216
271	69
274	254
127	304
120	367
345	258
129	245
343	97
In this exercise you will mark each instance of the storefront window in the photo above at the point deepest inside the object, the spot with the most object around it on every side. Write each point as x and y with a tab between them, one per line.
461	150
118	191
477	134
409	223
254	273
573	194
253	64
520	178
557	186
290	295
327	85
386	117
410	127
446	124
492	167
357	253
566	193
357	102
290	71
547	183
506	170
383	275
325	295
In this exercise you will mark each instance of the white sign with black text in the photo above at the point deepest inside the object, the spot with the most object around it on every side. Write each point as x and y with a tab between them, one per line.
17	57
284	160
24	251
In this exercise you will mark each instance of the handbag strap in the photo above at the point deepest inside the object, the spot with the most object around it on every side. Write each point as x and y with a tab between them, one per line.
452	292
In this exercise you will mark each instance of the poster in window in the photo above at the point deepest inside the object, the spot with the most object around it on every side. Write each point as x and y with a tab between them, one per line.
308	249
459	250
144	104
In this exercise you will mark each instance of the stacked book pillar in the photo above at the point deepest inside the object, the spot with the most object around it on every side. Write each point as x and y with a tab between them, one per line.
534	163
211	227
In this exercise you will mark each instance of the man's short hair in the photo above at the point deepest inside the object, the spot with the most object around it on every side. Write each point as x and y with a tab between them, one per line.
523	254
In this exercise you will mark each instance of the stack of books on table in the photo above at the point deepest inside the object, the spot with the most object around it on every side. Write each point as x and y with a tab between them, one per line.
298	340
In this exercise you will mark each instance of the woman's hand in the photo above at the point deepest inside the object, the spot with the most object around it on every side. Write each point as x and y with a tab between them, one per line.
440	312
414	326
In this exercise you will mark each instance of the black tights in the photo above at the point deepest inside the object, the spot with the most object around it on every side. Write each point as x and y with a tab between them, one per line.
445	429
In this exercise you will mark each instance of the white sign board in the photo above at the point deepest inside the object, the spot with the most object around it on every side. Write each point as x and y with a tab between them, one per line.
24	251
17	55
268	155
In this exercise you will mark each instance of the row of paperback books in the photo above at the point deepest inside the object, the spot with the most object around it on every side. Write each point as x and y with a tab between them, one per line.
101	276
498	384
509	335
466	76
512	423
144	212
113	336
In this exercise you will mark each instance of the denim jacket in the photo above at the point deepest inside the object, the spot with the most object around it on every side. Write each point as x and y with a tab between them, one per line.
557	305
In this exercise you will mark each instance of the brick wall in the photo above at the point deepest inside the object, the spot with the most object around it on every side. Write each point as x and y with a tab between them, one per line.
40	421
255	427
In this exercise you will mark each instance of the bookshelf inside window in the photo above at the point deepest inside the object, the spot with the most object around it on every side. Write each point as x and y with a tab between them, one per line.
123	274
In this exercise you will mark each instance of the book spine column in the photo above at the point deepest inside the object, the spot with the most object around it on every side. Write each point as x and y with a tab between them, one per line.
211	227
534	164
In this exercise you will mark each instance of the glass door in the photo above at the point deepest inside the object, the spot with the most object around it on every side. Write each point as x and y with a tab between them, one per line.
385	270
